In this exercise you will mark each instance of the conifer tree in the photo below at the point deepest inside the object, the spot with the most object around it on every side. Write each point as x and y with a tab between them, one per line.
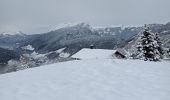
149	46
160	48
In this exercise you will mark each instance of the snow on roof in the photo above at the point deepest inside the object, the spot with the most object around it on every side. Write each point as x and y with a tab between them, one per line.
94	53
122	51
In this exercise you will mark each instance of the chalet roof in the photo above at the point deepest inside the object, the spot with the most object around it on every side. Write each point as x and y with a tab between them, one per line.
122	51
94	53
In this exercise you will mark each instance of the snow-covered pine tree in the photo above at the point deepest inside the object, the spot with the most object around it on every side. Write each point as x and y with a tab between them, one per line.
160	45
149	46
26	60
168	53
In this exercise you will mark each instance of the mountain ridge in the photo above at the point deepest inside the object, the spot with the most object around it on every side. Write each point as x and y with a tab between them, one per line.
74	38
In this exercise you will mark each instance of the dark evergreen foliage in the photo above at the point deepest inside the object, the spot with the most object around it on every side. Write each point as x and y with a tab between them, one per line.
149	46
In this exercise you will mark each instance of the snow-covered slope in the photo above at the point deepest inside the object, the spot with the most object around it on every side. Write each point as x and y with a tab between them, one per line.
94	54
89	79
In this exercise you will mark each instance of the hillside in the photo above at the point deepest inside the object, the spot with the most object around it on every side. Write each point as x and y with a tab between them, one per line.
89	79
6	55
75	37
79	36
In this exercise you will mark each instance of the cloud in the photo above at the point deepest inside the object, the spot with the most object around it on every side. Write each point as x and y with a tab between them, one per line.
39	15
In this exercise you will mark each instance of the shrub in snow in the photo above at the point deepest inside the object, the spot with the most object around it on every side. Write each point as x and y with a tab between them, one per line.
160	45
27	59
149	46
167	53
28	47
25	62
12	65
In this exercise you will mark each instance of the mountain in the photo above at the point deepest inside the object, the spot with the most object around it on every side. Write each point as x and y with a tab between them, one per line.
12	33
162	29
6	55
125	33
12	40
74	37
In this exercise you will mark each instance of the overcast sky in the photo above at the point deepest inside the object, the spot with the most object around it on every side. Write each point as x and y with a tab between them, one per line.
35	16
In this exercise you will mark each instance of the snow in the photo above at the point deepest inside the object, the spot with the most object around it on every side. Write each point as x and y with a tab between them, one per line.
36	55
64	54
64	25
166	31
94	54
28	47
90	79
60	50
11	33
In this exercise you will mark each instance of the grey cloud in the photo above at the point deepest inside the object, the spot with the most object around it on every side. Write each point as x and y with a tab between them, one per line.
39	15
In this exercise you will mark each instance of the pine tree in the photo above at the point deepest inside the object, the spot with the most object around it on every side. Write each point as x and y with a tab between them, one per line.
149	46
159	47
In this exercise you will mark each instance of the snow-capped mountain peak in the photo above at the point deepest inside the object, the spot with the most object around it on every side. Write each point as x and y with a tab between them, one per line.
68	25
12	33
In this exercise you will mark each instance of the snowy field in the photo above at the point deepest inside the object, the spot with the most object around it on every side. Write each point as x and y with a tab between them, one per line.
89	79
